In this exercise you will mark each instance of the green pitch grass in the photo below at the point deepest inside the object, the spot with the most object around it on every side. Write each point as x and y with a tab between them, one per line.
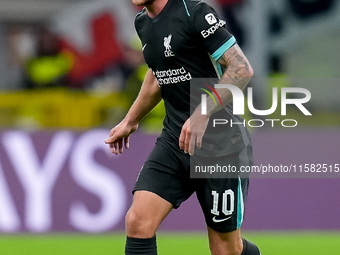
271	243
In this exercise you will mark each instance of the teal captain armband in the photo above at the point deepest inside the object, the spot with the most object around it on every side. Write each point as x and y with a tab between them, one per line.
226	46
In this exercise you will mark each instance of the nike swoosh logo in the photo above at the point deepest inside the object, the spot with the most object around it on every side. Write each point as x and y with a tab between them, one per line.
144	46
220	220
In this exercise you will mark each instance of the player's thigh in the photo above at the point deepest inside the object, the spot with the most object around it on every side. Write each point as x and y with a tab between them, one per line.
166	173
162	184
146	213
150	205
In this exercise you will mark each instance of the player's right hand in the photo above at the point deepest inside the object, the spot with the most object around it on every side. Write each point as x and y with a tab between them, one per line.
119	135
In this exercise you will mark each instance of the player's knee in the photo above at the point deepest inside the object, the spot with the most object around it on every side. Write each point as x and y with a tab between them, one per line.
139	226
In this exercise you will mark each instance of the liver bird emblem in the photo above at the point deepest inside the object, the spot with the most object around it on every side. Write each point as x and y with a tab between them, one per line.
167	41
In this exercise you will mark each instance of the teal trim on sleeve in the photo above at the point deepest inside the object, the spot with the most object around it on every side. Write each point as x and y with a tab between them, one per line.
186	8
219	52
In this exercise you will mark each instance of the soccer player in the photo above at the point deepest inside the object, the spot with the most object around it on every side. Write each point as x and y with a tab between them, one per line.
182	40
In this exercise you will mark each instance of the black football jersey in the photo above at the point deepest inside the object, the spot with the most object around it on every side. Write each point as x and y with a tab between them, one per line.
184	42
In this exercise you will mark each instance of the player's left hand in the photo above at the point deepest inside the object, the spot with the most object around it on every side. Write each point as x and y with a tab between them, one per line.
192	132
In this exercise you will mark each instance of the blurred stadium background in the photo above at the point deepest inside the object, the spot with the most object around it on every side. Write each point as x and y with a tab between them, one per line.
70	69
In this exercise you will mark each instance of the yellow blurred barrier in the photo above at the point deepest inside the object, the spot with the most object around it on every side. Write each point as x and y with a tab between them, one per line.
60	108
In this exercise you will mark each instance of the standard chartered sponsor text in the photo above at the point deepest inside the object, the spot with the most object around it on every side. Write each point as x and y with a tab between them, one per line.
172	76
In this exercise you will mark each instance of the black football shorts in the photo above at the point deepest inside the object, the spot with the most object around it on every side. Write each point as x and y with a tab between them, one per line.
166	173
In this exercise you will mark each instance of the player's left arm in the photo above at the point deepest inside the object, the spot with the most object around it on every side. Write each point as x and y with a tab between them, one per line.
238	72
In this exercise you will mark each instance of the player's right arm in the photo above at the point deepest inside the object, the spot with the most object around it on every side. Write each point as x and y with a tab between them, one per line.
148	97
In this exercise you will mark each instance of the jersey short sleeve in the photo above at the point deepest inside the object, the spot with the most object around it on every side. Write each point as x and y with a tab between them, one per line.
210	28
